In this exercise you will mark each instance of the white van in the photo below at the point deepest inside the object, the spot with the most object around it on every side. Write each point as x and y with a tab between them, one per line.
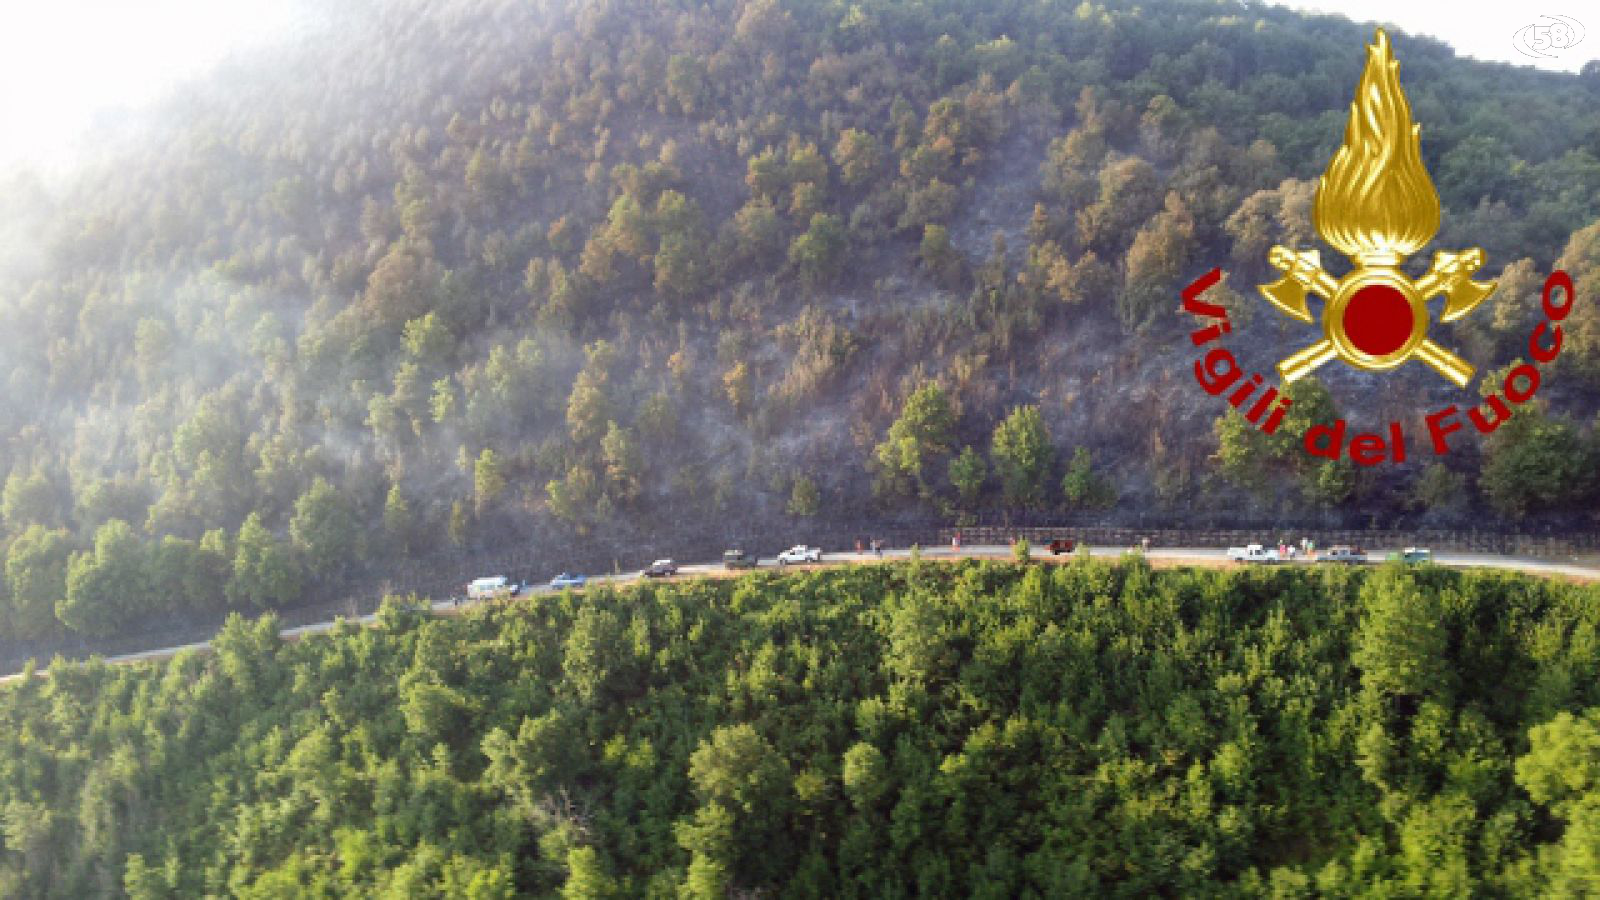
486	588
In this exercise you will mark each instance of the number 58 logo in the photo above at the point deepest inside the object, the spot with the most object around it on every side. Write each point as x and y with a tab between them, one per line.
1556	33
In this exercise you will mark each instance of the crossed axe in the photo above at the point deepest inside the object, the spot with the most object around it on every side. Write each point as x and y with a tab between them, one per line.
1450	275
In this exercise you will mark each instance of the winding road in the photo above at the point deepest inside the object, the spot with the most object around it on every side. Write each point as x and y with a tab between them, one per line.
1160	556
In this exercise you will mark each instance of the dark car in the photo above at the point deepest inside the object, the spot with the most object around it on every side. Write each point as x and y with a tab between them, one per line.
738	559
1343	554
1063	545
661	568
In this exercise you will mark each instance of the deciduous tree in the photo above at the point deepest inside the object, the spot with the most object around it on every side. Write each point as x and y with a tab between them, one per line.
1022	456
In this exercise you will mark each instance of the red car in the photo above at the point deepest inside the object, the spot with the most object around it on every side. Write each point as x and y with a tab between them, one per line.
1063	545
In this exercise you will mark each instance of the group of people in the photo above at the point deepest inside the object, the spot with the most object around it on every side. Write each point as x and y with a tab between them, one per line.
874	546
1306	548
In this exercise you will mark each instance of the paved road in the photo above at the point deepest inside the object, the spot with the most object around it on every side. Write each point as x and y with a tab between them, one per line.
1172	555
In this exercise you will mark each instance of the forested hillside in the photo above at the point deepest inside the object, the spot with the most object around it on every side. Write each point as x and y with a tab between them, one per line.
970	729
475	273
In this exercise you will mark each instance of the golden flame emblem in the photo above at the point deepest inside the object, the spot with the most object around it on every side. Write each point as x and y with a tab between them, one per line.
1376	204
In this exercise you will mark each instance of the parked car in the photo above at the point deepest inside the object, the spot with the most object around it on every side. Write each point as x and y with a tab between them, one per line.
738	559
492	586
568	580
1063	545
1253	553
1412	555
661	568
800	553
1343	553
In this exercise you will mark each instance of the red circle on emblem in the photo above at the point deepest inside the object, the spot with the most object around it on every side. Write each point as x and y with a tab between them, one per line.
1378	319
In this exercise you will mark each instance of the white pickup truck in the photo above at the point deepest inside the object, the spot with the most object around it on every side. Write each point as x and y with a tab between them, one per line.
1254	553
800	553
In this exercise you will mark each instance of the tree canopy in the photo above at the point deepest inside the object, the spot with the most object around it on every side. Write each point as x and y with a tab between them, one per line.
999	728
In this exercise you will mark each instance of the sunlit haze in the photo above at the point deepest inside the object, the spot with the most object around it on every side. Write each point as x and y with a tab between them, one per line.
1482	31
64	63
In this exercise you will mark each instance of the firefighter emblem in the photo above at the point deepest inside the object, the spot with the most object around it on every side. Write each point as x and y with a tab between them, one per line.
1376	204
